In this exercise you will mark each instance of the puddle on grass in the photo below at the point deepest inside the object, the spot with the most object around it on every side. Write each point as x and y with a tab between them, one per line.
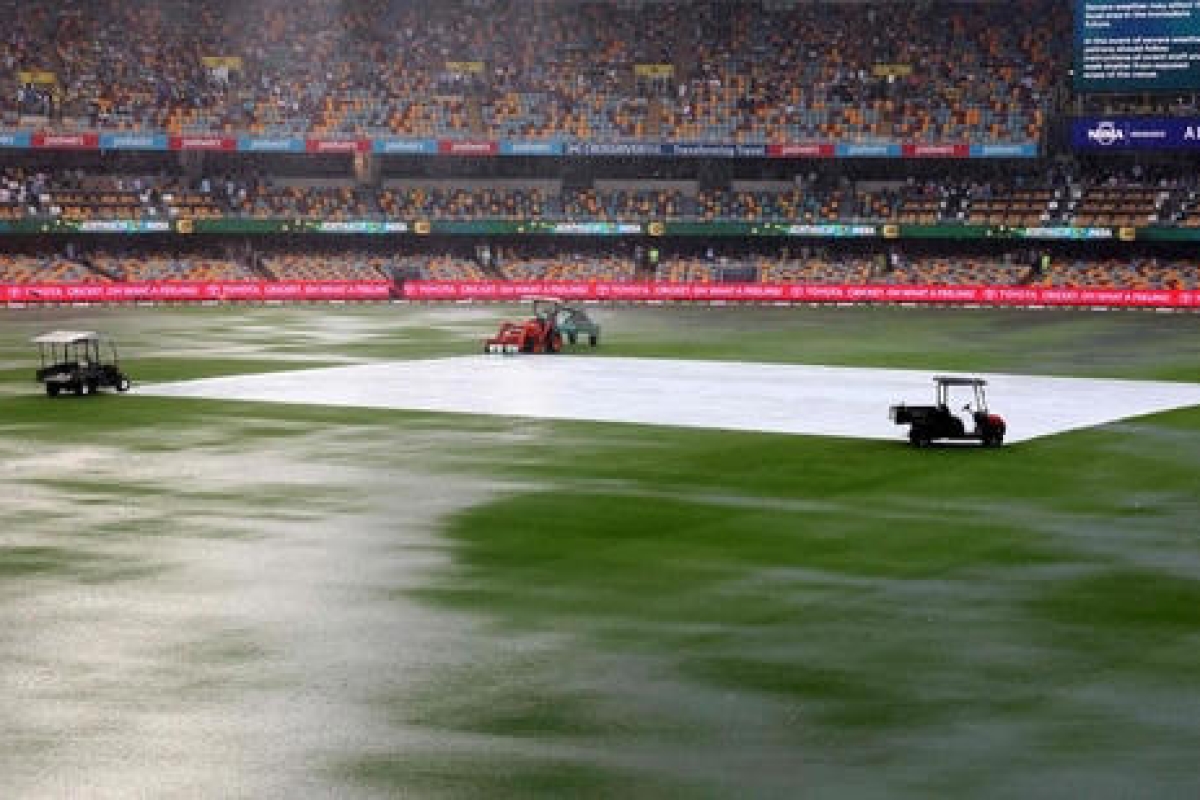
214	620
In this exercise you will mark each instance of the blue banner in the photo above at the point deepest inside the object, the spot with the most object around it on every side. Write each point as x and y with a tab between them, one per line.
133	141
1016	150
15	140
552	147
270	144
414	147
1135	133
869	150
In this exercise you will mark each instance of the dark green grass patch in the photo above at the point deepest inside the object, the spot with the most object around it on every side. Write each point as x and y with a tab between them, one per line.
870	595
23	562
436	775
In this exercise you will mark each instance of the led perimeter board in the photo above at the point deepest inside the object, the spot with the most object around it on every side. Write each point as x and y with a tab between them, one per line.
1137	45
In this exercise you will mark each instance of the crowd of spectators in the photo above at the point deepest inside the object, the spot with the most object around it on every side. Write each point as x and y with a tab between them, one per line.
743	70
1081	199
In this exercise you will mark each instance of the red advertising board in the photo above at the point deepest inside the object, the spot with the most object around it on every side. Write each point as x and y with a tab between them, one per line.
251	291
337	145
66	141
193	291
202	143
465	147
936	150
800	293
810	150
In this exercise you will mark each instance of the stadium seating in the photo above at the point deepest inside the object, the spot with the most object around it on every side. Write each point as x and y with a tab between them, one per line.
46	269
734	72
164	267
344	266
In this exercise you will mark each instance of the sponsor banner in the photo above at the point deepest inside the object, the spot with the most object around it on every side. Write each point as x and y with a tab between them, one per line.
203	143
1065	233
936	150
415	147
868	150
124	226
270	144
1005	150
1135	133
617	149
832	230
800	293
718	150
66	141
15	140
813	150
193	291
1118	137
362	226
594	228
338	145
133	141
468	147
550	147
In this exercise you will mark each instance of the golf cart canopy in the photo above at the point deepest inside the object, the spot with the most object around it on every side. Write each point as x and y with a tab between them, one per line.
66	337
954	380
541	298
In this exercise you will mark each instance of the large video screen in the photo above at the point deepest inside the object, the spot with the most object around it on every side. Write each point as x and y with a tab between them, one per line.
1137	45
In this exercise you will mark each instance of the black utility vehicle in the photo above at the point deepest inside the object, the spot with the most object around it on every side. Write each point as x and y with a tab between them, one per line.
75	361
930	423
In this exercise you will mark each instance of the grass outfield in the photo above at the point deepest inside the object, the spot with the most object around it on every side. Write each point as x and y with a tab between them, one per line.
233	599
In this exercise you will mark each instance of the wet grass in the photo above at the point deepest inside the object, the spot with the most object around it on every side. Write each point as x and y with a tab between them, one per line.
666	612
439	775
21	563
869	595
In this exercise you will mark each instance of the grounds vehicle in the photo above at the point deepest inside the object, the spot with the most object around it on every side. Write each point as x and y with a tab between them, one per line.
573	322
930	423
74	361
544	332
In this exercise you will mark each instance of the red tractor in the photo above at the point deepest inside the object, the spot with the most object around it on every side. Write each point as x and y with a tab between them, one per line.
538	334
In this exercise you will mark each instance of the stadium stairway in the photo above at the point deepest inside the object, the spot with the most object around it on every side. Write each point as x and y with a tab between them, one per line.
87	261
259	267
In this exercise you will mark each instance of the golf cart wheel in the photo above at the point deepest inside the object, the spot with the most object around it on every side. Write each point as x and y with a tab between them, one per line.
52	389
123	384
572	337
80	388
993	440
594	339
919	438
